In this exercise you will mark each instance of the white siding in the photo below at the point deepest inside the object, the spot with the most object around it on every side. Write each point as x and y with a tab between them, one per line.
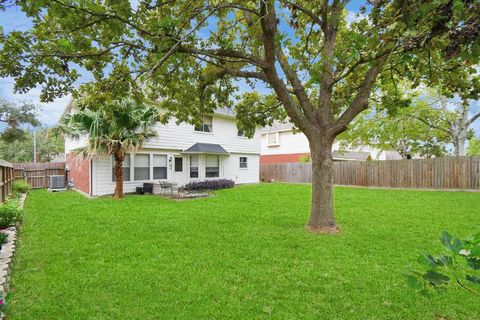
71	144
229	168
294	143
224	132
288	143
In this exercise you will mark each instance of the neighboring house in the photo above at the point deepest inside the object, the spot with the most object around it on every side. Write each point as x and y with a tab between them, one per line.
280	144
180	153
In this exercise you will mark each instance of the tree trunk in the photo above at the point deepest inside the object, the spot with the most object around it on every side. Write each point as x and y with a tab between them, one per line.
321	216
119	156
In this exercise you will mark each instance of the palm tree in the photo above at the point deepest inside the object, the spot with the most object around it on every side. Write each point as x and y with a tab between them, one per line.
113	129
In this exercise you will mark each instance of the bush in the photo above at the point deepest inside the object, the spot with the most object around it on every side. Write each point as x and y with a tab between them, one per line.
305	158
10	213
210	185
3	238
459	266
21	186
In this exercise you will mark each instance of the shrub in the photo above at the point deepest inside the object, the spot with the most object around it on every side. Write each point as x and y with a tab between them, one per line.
210	184
460	266
10	213
21	186
3	238
305	158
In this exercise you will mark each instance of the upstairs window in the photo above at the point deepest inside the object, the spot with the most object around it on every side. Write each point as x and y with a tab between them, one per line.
243	162
272	139
240	133
125	167
159	166
141	167
212	166
206	124
193	166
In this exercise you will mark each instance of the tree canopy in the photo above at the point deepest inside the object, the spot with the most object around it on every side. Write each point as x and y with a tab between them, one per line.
112	129
14	115
195	56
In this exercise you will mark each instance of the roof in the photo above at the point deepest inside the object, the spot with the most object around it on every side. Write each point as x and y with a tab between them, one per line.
206	148
226	112
351	155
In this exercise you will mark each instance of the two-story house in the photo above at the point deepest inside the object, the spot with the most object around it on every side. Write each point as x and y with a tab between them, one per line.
180	153
281	144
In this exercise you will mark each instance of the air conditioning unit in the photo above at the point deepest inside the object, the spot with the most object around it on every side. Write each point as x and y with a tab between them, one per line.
56	183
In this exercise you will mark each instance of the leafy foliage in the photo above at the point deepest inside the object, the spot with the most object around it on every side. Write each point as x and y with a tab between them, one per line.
115	128
215	184
49	145
3	238
473	147
21	186
15	115
305	158
399	132
459	266
310	63
10	213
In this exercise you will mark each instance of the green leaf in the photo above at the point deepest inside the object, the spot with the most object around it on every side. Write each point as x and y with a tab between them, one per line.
450	242
436	278
473	279
414	282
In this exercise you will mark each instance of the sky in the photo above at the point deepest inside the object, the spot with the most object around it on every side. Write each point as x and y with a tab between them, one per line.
14	19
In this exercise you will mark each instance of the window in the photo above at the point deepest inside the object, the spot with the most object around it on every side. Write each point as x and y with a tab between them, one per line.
178	164
212	166
159	166
243	162
206	124
125	166
240	133
193	166
272	139
141	167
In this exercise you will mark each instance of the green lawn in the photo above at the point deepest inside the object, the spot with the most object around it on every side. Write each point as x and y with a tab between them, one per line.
240	255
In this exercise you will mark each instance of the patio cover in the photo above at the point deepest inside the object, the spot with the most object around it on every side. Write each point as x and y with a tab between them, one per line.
206	148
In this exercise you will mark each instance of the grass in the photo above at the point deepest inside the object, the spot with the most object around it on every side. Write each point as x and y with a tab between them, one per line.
243	254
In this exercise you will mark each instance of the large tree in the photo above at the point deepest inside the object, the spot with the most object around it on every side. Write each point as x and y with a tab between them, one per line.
452	117
313	65
48	146
113	130
14	116
398	132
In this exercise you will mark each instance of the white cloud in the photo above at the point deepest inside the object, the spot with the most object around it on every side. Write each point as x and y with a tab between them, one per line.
354	17
50	113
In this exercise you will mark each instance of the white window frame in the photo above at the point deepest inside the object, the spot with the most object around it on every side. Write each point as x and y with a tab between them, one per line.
190	167
203	125
219	163
152	165
277	139
112	166
240	162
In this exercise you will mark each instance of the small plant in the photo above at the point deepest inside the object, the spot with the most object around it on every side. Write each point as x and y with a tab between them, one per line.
10	213
21	186
210	185
305	158
3	238
460	266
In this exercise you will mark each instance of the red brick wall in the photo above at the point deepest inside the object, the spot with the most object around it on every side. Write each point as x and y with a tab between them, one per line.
79	172
281	158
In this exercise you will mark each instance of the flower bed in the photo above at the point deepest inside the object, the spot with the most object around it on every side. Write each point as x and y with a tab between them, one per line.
10	215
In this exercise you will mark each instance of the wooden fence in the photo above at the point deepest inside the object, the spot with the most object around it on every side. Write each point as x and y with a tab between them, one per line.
37	174
439	173
7	177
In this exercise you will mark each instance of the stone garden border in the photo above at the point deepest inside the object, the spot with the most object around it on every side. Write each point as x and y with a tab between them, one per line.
6	254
